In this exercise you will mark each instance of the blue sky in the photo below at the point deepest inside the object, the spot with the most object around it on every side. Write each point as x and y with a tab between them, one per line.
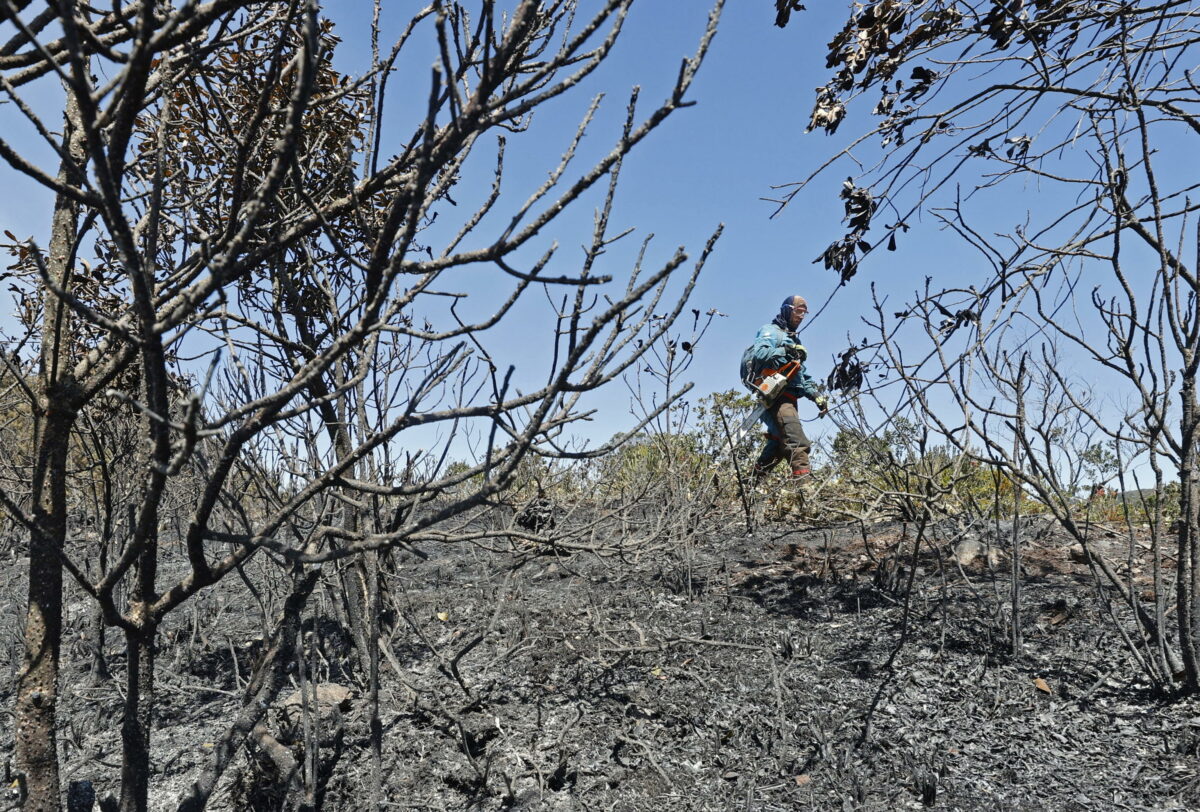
707	165
715	163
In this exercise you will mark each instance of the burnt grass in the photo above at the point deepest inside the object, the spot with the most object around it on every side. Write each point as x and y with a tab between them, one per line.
783	669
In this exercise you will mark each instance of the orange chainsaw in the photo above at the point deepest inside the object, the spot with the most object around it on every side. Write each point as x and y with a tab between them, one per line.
769	386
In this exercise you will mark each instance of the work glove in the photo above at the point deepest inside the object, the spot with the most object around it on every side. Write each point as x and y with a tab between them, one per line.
822	404
796	352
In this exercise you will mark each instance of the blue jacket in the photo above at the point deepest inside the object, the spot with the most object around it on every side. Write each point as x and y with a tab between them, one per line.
771	350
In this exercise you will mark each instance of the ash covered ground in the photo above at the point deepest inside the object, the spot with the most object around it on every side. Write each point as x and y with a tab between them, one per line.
781	669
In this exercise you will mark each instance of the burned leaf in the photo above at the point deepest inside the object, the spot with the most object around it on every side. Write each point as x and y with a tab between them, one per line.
1018	147
847	373
982	149
860	205
923	78
828	111
886	103
784	9
841	257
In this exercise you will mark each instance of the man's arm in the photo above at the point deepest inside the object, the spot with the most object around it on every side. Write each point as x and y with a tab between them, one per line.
803	384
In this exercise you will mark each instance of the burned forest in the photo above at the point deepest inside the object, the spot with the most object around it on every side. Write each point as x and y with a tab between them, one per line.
313	492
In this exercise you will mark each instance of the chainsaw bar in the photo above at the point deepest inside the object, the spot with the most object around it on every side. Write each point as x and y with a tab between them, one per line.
747	426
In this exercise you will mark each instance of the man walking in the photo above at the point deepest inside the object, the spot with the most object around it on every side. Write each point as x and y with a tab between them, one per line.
775	345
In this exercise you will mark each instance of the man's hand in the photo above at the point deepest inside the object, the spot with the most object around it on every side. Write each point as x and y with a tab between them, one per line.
796	352
822	404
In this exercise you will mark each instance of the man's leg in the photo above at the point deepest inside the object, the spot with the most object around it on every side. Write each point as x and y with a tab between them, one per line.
771	454
795	442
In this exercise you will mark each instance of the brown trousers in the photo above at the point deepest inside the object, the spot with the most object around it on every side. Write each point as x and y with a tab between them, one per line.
785	438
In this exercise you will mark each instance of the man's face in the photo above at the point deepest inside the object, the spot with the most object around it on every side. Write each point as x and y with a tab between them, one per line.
799	311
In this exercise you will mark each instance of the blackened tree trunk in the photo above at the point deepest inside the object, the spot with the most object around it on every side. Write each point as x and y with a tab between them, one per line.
1188	597
58	404
37	683
137	722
